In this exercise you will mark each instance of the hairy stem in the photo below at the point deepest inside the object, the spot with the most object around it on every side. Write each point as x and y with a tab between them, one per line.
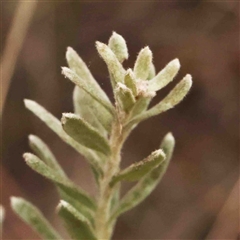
103	229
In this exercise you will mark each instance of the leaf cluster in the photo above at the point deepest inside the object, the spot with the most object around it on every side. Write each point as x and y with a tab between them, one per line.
97	130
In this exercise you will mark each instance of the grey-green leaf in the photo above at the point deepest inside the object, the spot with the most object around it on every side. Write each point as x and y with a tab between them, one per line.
77	65
93	112
53	123
80	82
44	153
172	99
84	133
114	66
124	97
152	72
167	145
147	184
165	76
34	218
130	81
74	201
143	64
118	45
138	170
77	225
68	187
140	106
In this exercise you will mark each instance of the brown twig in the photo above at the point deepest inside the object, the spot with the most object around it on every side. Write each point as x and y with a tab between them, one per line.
14	42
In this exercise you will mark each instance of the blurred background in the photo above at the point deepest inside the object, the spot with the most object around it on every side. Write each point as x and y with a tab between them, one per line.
198	197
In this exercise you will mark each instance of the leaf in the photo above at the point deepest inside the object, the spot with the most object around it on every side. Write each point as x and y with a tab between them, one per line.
146	185
84	133
124	97
93	112
68	187
40	148
143	64
53	123
77	225
74	201
34	218
114	66
77	65
172	99
44	153
118	45
137	170
152	72
165	76
167	145
140	106
82	108
130	81
115	196
71	75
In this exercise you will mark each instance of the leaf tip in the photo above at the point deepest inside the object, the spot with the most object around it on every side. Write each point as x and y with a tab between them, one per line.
15	202
69	53
159	153
175	62
99	45
66	71
63	203
188	80
169	137
32	138
66	116
30	158
69	49
28	103
146	51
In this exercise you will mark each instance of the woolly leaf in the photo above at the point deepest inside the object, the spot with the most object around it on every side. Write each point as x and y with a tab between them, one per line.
143	64
77	225
44	153
85	111
152	72
93	112
118	45
34	218
137	170
53	123
124	97
140	106
130	81
73	200
80	82
68	187
114	66
167	145
115	196
84	133
148	183
165	76
172	99
77	65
